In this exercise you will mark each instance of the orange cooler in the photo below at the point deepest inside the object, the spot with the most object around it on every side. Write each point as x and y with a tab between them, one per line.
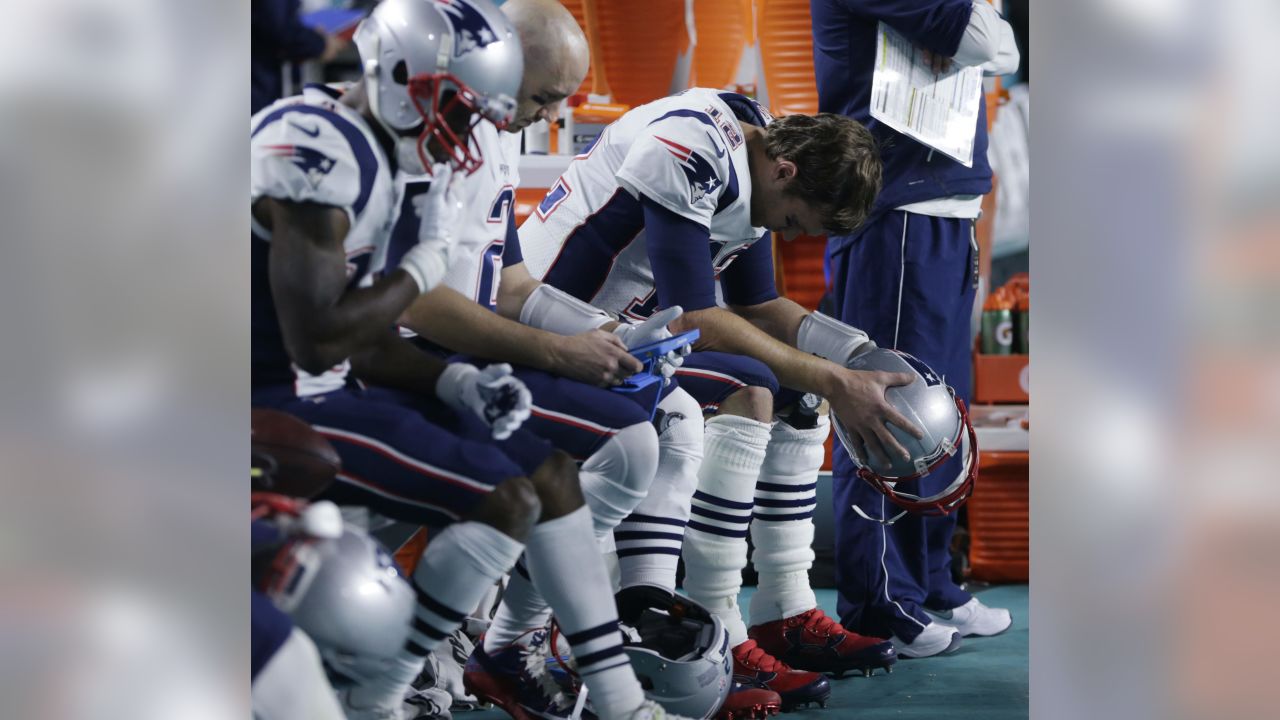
998	518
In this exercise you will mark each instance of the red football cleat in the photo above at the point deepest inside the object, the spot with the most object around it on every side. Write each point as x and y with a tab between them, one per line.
747	702
755	668
813	641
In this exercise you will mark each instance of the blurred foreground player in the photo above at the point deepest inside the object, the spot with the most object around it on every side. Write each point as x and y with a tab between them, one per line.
428	67
908	277
672	196
286	671
322	200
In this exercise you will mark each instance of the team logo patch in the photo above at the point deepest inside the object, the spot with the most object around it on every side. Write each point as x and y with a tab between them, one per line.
314	164
702	177
930	377
470	30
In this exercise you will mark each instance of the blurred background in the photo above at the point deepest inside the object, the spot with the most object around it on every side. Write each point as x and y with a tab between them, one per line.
125	293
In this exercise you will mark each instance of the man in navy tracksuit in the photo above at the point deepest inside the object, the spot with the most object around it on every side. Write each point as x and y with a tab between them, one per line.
277	35
908	278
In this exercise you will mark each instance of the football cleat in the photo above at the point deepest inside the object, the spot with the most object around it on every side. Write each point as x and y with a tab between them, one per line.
748	702
812	641
753	667
516	679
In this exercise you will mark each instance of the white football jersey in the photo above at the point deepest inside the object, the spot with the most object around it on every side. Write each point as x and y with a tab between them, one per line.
311	148
685	152
488	198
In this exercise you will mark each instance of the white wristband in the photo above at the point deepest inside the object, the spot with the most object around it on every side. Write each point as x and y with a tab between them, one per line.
829	338
426	263
556	311
453	381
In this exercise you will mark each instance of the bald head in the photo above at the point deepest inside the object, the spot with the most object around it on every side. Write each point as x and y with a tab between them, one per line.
556	57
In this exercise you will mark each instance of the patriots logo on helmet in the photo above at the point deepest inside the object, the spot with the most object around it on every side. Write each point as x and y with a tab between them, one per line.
931	378
314	164
702	177
470	30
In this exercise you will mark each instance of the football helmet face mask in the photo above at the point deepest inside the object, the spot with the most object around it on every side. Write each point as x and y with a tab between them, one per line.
934	408
345	593
678	649
438	67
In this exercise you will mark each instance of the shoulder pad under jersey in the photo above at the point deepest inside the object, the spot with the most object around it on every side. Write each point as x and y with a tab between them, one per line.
311	154
680	161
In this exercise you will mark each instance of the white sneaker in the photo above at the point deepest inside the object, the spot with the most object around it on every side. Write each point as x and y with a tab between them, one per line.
935	639
651	710
974	618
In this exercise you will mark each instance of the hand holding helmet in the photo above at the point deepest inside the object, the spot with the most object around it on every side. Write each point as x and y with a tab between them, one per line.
945	431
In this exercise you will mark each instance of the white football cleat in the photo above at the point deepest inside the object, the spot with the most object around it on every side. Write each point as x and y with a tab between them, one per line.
935	639
974	618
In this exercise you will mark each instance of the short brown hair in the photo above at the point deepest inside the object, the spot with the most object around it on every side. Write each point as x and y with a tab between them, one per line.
837	165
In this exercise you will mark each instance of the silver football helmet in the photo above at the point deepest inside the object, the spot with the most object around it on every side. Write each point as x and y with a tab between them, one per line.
349	598
934	408
678	649
440	65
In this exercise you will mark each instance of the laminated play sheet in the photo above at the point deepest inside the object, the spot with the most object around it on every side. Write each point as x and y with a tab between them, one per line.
937	109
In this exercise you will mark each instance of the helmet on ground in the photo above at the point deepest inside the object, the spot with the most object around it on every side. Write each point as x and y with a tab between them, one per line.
347	595
934	408
433	68
678	649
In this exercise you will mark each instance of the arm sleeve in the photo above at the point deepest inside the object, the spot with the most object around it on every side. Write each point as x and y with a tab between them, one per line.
749	278
679	253
935	25
511	253
988	41
680	163
276	22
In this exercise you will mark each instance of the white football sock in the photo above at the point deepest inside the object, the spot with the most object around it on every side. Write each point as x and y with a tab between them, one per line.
566	565
782	528
522	609
648	541
614	479
715	545
617	476
456	571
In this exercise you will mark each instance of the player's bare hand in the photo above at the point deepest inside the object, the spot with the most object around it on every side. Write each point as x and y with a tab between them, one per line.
939	63
333	45
865	413
595	357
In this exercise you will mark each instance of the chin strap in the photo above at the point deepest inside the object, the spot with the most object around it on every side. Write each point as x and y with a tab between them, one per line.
865	516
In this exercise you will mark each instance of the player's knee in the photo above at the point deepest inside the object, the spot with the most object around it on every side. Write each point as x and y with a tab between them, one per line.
679	423
637	446
753	402
556	482
513	508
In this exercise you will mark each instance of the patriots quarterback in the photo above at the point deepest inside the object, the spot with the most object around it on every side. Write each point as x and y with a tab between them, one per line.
672	206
